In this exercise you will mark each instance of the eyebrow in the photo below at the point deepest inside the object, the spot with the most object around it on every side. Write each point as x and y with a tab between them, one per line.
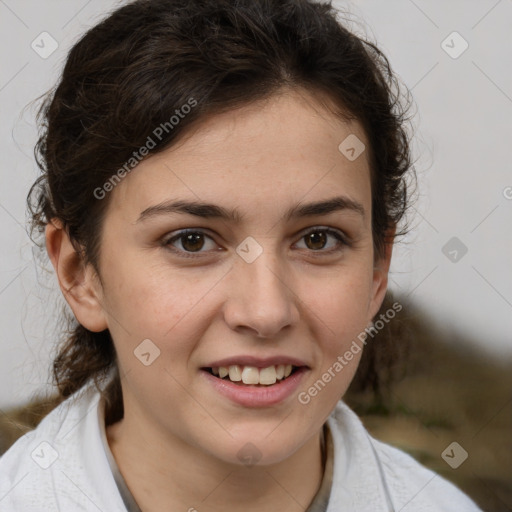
208	210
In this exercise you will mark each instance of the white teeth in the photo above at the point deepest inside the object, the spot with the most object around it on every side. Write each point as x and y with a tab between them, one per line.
251	375
268	376
235	373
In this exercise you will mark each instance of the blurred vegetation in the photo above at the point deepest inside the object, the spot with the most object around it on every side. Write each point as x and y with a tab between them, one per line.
431	387
418	388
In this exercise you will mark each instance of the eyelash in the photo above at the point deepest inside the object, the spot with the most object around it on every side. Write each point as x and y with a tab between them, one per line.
341	238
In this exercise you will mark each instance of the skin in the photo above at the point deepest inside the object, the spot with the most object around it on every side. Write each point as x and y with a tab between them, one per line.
177	444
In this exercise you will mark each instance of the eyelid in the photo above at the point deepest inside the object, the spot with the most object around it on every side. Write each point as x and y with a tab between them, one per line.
342	237
177	234
327	229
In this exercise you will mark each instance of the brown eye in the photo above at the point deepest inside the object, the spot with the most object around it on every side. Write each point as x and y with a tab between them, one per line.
315	240
323	240
191	241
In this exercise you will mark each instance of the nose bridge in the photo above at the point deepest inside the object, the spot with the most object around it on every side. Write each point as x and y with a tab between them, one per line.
261	300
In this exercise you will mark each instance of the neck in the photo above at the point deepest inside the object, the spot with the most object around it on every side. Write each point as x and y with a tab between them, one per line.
168	474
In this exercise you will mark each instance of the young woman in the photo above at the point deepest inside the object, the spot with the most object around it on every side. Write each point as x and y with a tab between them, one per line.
221	188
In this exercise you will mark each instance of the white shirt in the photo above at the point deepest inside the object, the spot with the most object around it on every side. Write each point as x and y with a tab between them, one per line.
63	465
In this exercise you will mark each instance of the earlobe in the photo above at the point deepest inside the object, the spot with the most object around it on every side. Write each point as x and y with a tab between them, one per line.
78	282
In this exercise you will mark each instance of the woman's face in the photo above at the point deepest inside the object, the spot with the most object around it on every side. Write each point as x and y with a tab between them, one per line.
277	268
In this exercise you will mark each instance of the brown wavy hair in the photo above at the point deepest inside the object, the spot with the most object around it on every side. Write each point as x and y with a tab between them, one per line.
134	69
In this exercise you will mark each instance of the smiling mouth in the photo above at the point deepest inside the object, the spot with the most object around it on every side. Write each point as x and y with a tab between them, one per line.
253	376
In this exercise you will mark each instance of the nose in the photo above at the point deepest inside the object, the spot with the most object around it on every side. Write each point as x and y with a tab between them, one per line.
260	300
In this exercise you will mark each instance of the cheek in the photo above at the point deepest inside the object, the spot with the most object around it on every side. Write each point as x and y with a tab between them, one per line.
340	302
153	295
170	308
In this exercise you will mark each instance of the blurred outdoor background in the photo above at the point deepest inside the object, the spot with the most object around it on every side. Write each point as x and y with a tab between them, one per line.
451	345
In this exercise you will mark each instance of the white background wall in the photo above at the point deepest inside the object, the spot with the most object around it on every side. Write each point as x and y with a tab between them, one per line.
463	150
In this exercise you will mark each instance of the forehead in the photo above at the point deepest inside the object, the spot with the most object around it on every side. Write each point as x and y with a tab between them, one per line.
263	155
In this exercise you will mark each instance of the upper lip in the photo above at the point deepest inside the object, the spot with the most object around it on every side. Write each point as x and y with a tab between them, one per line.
258	362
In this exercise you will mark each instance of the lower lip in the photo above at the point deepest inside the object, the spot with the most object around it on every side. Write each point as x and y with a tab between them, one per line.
257	396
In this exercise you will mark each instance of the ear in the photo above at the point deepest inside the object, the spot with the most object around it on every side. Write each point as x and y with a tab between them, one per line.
79	283
380	274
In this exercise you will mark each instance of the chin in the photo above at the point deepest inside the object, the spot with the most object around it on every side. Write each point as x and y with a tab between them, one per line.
258	447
